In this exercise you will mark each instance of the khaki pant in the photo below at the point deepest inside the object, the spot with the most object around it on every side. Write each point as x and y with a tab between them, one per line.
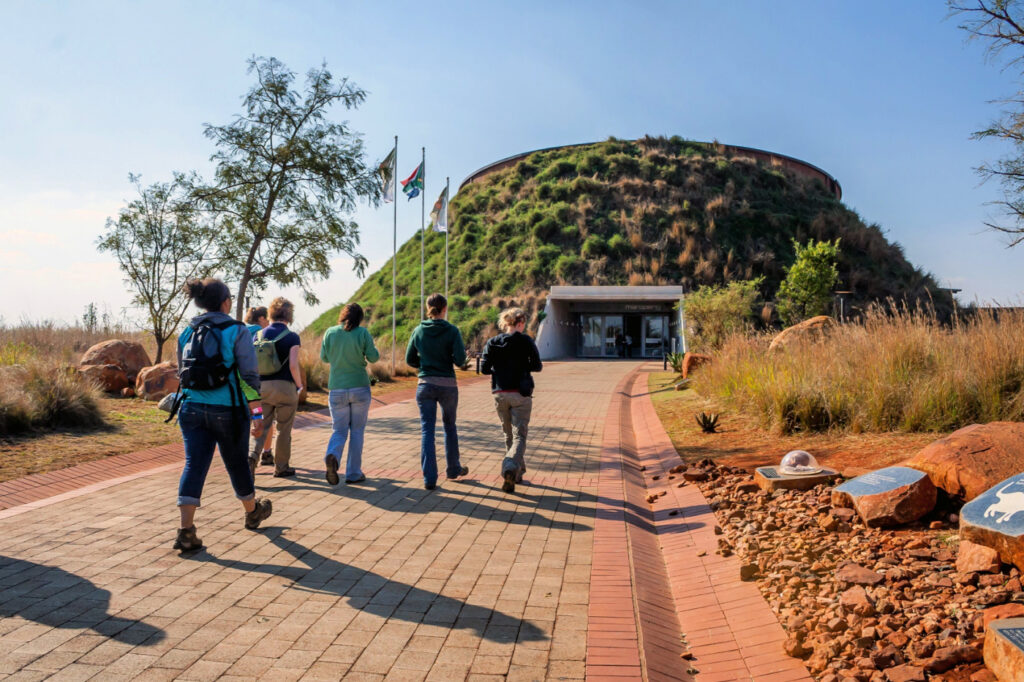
514	411
280	401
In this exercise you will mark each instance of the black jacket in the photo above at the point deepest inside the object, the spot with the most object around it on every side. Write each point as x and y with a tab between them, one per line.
509	359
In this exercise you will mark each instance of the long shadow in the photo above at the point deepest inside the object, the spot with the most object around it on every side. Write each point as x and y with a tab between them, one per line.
372	593
51	596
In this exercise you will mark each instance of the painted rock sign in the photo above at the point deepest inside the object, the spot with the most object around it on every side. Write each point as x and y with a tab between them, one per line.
888	497
1004	649
996	519
770	478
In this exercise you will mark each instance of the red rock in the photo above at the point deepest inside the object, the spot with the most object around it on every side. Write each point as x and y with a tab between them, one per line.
856	600
127	392
128	355
974	558
695	475
109	378
888	497
692	361
1004	658
951	656
905	673
814	329
886	657
999	612
973	459
153	383
857	575
794	646
984	675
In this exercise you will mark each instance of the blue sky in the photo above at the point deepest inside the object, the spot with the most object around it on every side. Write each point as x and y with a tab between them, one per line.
881	95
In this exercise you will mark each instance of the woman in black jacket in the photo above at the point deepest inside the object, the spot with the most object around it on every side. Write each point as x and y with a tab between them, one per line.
509	358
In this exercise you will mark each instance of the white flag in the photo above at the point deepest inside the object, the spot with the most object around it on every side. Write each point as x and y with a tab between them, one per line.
439	214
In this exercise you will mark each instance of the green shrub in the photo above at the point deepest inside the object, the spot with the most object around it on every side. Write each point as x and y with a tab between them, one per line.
618	244
594	246
716	312
807	289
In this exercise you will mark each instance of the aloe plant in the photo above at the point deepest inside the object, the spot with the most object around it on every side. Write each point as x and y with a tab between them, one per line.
707	423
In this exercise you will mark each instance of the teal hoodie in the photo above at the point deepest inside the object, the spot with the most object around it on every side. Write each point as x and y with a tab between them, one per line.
436	348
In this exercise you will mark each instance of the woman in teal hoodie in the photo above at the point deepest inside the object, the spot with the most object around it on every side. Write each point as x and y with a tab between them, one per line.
436	349
347	348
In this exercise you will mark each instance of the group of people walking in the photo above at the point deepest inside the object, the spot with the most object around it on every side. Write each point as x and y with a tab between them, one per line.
238	379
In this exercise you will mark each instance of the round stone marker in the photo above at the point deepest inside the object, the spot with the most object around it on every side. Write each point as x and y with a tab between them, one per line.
1004	649
888	497
996	519
770	478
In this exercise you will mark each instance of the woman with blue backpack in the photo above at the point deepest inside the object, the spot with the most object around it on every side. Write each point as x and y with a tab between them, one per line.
219	399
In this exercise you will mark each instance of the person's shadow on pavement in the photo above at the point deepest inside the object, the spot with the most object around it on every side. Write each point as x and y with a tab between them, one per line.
51	596
372	593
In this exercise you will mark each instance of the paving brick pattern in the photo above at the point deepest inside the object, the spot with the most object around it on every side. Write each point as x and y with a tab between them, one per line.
563	579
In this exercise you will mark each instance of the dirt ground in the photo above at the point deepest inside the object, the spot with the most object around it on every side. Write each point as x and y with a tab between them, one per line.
741	441
133	424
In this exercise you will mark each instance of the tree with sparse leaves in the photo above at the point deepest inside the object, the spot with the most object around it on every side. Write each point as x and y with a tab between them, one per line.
807	289
287	181
160	241
1000	23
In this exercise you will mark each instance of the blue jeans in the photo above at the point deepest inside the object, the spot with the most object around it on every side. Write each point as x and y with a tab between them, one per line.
349	410
428	396
203	428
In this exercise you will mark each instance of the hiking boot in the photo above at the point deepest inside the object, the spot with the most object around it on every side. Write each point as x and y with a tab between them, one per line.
429	486
267	457
462	472
187	540
352	481
519	475
332	471
262	511
284	473
509	486
252	466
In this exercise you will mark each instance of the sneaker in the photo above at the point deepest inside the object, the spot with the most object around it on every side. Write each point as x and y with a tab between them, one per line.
462	472
509	486
187	540
519	475
332	471
429	486
262	511
284	473
350	481
267	457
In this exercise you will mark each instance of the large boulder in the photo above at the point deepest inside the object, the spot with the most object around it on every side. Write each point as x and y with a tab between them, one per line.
131	357
153	383
814	329
888	497
1004	649
972	460
692	361
109	378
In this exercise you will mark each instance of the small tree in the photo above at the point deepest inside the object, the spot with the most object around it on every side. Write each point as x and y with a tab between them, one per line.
287	180
159	242
89	318
715	312
807	289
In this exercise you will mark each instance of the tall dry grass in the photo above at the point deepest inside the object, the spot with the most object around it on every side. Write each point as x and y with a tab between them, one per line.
898	372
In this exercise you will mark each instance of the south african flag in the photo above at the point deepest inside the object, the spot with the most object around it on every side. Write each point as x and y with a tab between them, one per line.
413	184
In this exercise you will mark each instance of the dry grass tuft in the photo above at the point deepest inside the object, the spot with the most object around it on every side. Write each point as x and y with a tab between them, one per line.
899	372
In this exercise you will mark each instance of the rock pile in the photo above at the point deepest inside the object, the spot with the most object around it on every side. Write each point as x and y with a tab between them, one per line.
863	603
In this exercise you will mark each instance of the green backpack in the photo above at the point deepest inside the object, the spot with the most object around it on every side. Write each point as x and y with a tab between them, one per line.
267	359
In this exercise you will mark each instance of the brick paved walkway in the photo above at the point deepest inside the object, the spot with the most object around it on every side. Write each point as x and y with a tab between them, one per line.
561	580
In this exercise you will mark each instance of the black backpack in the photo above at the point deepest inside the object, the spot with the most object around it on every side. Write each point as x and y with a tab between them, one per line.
202	361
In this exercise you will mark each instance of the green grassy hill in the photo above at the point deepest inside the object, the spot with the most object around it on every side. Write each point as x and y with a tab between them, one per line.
653	211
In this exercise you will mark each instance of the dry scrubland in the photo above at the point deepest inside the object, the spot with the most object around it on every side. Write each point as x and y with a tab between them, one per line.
40	391
892	372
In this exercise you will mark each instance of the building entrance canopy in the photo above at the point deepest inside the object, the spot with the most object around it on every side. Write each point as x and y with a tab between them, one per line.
611	321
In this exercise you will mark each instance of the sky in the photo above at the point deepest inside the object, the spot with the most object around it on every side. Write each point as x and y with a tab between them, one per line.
881	95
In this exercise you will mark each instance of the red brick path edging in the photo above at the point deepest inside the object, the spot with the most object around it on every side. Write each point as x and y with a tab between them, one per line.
729	627
36	490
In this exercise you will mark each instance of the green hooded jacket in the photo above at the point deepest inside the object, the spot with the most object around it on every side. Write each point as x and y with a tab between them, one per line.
436	348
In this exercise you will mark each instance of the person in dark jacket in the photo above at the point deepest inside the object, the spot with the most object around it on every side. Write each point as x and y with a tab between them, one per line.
510	358
436	349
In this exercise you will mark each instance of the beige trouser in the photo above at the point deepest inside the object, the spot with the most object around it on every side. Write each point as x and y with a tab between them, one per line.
280	401
514	412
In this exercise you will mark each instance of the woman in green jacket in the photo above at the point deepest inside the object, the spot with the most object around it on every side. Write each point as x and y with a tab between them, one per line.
347	348
436	349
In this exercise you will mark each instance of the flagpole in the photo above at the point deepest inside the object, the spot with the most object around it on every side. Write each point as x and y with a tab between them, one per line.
394	255
447	227
423	213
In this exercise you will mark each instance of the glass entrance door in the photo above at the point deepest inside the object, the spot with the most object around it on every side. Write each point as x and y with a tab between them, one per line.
601	336
655	335
612	335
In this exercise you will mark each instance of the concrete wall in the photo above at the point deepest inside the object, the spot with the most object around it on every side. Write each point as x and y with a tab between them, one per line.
555	338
